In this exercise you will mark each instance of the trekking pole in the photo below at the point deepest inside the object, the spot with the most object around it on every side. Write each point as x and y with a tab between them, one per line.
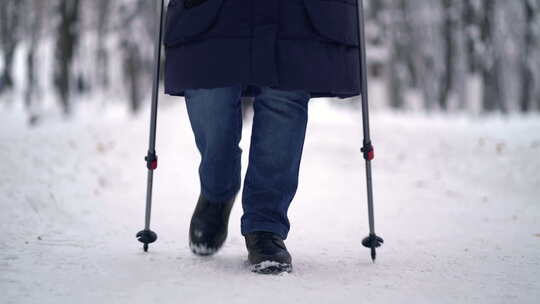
372	241
148	236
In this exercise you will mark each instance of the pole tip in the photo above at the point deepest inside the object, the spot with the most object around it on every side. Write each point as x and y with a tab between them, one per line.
146	237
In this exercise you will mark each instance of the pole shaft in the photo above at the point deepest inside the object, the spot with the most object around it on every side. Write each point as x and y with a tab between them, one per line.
153	112
155	89
148	212
370	198
365	111
364	81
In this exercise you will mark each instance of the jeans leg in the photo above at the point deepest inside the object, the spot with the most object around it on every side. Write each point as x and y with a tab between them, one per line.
216	120
277	140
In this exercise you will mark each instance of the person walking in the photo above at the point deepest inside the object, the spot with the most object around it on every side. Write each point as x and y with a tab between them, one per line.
282	53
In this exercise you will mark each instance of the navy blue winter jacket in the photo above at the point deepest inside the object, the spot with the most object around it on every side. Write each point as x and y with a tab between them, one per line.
286	44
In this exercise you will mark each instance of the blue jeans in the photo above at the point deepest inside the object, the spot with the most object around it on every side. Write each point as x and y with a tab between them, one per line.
277	140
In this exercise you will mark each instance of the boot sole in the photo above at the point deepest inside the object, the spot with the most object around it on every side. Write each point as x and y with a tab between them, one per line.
270	267
202	250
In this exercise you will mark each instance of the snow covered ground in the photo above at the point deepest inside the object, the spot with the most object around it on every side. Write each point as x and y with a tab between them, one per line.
457	202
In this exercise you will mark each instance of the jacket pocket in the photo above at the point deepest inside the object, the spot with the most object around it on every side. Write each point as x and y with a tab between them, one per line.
187	23
335	20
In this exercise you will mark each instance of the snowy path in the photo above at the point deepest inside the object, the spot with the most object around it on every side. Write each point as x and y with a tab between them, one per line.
457	201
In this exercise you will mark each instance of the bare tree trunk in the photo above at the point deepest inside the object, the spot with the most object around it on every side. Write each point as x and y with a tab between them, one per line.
35	25
449	29
408	50
68	36
530	43
102	56
470	20
132	70
427	47
10	11
396	62
463	57
490	69
132	49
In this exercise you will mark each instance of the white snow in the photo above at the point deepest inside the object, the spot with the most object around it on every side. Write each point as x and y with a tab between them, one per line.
457	200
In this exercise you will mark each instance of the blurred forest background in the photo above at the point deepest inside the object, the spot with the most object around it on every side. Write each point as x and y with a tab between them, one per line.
441	55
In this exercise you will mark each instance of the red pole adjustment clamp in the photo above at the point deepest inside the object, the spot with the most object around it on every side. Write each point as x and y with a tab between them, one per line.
368	151
151	161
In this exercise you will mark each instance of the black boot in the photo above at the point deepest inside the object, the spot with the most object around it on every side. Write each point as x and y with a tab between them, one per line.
209	224
267	253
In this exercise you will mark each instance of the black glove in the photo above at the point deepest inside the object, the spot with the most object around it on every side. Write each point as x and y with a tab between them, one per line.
192	3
